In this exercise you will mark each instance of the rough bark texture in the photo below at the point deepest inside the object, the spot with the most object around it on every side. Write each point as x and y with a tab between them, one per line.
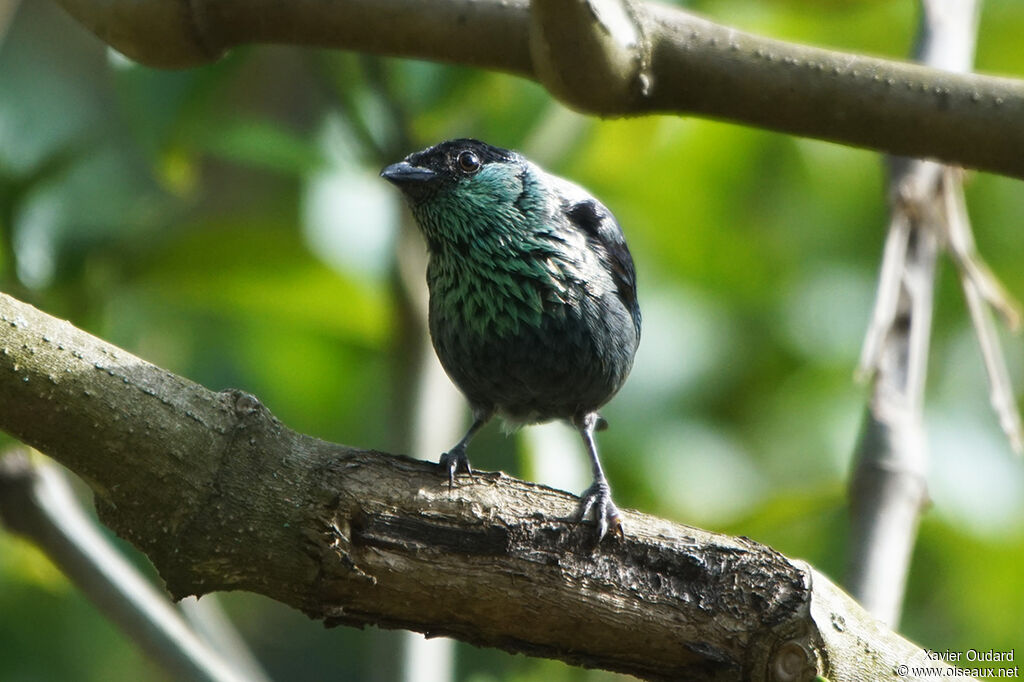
221	496
613	59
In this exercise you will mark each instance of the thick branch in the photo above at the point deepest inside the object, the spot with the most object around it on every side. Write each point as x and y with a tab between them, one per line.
678	63
220	495
590	53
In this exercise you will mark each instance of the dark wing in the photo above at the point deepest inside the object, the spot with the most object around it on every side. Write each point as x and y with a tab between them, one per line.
600	225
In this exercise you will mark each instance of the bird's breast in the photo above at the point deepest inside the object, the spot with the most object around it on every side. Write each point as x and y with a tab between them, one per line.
534	343
499	298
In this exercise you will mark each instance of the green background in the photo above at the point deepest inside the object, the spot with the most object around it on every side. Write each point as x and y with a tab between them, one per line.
227	223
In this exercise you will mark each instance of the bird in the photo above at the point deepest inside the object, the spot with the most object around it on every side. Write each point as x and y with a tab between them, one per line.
533	308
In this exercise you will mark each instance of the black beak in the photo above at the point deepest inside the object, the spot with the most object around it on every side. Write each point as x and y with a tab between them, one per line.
414	181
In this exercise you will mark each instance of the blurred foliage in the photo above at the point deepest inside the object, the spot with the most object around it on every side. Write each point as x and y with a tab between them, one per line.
227	223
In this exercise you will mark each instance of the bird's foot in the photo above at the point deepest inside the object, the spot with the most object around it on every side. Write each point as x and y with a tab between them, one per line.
454	461
598	498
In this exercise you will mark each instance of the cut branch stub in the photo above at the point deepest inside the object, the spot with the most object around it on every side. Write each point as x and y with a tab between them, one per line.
161	34
592	54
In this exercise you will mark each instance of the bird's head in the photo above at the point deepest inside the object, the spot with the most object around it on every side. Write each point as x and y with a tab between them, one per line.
461	188
460	167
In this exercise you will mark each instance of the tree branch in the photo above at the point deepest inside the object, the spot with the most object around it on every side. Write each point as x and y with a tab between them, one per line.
592	54
37	503
678	63
888	489
220	495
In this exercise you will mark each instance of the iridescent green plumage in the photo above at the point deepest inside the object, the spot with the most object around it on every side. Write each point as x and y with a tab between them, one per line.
485	267
533	307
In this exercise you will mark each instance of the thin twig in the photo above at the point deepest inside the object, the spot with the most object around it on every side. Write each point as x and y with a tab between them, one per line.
36	502
982	291
888	487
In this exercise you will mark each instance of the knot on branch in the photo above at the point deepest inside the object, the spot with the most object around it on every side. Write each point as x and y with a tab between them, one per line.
793	661
245	404
592	54
157	33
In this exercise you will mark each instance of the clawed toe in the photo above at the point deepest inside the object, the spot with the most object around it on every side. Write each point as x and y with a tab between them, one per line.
598	499
453	462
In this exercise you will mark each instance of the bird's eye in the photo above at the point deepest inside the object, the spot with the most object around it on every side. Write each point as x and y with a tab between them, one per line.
469	162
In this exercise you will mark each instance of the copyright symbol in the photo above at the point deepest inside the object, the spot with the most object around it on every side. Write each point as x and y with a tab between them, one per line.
901	670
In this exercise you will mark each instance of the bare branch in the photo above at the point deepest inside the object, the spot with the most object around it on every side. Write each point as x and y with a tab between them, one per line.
679	63
888	489
220	495
592	54
981	291
929	214
887	303
37	503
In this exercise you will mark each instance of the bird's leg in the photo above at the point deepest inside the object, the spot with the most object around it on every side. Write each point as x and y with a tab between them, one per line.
599	495
455	460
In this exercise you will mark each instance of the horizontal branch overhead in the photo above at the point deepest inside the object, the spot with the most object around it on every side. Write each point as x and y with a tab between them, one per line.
613	59
220	495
